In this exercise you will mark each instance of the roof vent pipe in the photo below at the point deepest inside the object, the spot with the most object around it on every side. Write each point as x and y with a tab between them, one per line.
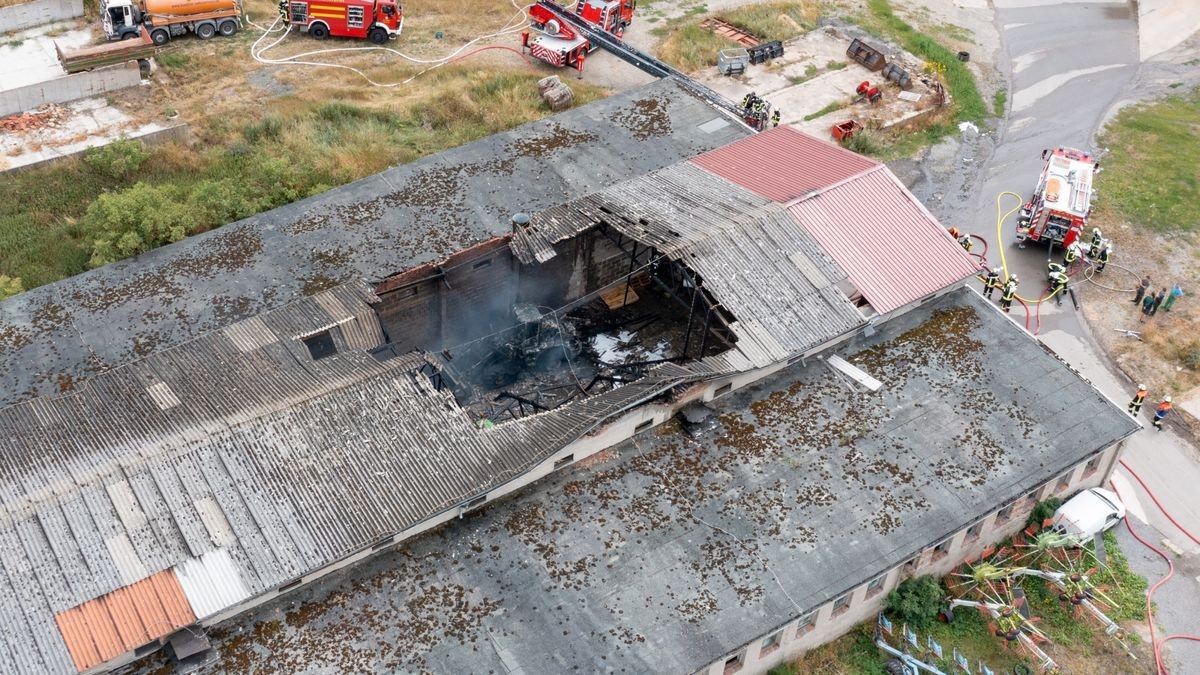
519	221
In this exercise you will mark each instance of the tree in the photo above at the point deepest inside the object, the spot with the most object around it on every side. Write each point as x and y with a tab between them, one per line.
135	220
119	159
916	601
1043	510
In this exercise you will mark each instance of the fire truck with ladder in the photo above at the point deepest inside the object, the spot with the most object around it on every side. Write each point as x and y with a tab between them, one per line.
1057	212
563	45
376	20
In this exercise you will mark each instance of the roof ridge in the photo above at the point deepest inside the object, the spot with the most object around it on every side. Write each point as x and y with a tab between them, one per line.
832	186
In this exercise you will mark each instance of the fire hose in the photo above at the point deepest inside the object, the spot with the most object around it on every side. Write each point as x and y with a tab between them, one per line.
259	53
1155	643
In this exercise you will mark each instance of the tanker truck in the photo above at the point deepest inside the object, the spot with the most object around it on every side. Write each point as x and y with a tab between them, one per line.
165	19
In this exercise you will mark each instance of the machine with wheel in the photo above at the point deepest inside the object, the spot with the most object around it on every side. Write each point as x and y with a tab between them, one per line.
376	20
165	19
1057	212
560	44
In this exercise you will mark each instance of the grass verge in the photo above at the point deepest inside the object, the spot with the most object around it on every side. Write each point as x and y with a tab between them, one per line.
689	47
51	219
1152	176
1000	102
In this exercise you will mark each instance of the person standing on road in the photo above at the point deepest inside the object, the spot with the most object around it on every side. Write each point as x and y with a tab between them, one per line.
1135	405
1141	289
1147	306
1071	254
1175	294
1058	283
991	282
1158	300
1105	256
1009	292
1161	412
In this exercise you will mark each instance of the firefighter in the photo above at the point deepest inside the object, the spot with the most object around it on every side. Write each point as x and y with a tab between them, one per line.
1058	282
1097	239
1161	412
963	240
1072	254
1105	256
775	119
991	282
748	100
1009	292
1135	405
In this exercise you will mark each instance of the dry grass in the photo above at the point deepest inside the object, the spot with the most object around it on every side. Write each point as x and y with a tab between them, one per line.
689	47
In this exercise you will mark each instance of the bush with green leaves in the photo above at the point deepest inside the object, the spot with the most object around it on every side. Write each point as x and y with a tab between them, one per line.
916	601
137	219
1043	510
119	159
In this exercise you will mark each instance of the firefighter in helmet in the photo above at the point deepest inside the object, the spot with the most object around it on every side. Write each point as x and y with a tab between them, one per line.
991	282
1058	282
1097	240
1071	254
1160	413
1009	292
1105	255
1135	405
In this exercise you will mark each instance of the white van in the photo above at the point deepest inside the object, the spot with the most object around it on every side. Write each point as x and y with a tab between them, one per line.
1092	511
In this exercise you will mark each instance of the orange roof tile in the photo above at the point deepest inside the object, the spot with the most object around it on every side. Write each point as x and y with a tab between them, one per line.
124	619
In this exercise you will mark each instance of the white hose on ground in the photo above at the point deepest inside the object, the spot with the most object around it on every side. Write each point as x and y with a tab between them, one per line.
516	24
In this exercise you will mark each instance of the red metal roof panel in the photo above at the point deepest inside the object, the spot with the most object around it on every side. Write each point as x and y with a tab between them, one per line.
892	249
783	164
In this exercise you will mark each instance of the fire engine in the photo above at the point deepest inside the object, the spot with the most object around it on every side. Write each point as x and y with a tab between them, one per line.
377	20
1058	210
561	45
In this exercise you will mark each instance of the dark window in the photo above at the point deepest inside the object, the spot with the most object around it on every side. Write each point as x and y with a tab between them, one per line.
941	549
320	345
1092	465
1032	497
1004	514
875	585
474	502
974	531
384	543
841	604
643	426
299	12
482	264
723	389
734	663
564	461
806	623
770	643
1064	481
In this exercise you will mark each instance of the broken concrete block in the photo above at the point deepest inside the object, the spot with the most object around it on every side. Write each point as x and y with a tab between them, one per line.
559	98
547	83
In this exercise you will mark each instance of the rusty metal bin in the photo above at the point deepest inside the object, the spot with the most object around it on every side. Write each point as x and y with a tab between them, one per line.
866	55
894	73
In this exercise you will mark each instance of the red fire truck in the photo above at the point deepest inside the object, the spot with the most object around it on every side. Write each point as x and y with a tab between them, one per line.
1058	210
561	45
376	20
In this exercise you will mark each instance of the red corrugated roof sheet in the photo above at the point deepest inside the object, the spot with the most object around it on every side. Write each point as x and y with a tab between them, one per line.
125	619
891	248
783	164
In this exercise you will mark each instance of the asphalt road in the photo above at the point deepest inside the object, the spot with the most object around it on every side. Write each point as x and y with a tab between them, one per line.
1069	63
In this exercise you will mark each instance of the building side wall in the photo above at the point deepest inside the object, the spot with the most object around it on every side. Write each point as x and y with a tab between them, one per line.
38	12
70	87
798	636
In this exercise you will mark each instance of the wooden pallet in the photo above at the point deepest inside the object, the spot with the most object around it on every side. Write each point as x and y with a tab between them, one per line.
618	298
725	30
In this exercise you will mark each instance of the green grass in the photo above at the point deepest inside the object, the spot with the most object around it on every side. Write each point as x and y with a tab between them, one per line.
958	78
836	105
1152	176
764	21
173	60
1000	102
1126	587
45	234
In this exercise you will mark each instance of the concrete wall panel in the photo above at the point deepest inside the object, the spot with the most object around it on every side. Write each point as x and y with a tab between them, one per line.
69	88
38	12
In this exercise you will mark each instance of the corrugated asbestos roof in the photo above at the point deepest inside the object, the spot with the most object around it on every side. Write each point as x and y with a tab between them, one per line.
124	619
752	257
55	336
890	246
783	164
261	466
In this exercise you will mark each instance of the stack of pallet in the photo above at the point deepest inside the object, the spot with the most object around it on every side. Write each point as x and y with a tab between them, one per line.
87	58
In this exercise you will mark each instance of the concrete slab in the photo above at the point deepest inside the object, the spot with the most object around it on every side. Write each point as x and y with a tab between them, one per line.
1163	24
29	56
91	123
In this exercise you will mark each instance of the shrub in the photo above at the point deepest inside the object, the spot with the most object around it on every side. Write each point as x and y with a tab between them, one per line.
119	159
136	220
269	128
1043	510
10	286
916	601
1190	355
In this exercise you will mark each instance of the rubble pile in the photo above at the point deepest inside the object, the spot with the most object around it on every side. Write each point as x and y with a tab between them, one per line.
50	115
556	94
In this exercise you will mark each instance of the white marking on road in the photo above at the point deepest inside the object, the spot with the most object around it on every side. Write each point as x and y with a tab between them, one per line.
1010	26
1023	61
1019	4
1019	123
1026	97
1129	496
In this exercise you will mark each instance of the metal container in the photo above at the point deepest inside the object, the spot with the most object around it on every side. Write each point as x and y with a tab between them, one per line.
865	55
732	61
895	73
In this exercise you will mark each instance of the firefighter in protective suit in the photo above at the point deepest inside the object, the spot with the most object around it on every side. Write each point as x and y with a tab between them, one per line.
1058	281
1071	254
991	282
1009	292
